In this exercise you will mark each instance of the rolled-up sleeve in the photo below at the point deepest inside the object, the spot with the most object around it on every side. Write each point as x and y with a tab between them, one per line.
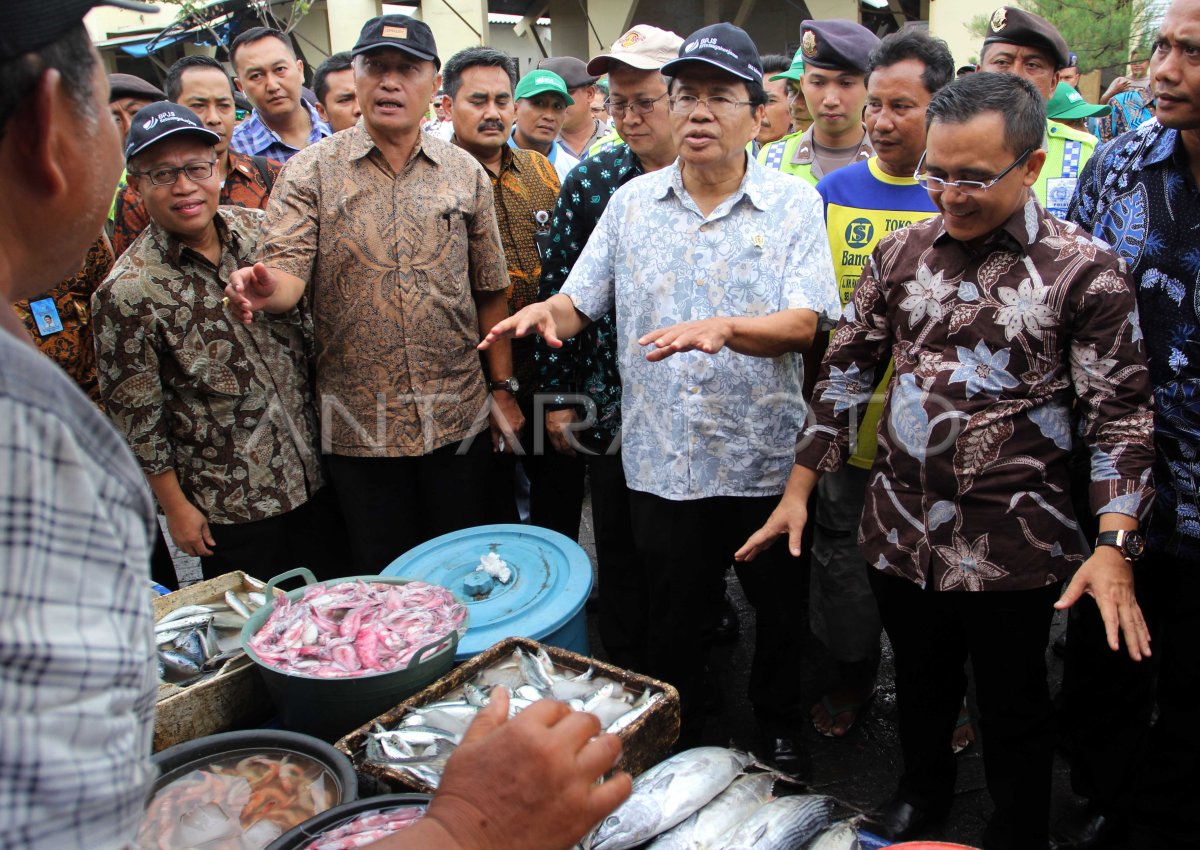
590	284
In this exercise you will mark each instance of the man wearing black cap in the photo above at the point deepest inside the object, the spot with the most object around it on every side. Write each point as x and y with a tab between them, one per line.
1022	43
127	94
392	234
255	496
732	273
835	66
580	129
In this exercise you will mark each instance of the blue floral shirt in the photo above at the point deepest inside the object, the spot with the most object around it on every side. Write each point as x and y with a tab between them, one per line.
997	346
697	425
1138	195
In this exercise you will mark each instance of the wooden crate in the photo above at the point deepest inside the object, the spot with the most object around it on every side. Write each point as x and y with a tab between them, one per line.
235	698
646	740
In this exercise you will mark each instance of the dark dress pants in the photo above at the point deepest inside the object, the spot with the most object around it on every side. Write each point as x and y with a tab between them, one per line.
392	504
686	547
1005	636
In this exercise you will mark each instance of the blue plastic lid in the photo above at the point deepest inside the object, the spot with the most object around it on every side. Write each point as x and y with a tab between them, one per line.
551	580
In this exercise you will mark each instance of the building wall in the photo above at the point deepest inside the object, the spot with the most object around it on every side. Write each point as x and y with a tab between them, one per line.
948	20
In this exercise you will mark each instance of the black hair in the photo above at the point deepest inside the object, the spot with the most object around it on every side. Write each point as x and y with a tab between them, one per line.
71	55
256	34
474	57
775	63
1014	98
174	81
332	65
914	44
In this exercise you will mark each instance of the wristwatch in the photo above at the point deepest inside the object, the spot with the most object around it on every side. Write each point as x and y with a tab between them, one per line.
509	384
1130	544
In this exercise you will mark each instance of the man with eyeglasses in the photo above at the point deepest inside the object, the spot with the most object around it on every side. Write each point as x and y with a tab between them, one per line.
220	415
1009	329
719	272
833	83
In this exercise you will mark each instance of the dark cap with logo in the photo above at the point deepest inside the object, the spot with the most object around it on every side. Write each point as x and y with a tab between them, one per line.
836	45
157	121
1010	25
401	32
573	71
28	25
127	85
723	46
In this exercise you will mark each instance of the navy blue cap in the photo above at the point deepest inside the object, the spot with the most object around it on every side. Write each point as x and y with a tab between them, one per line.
723	46
401	32
837	45
157	121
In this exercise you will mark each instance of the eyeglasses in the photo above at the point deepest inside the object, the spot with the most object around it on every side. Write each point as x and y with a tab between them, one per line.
167	176
971	188
685	104
640	107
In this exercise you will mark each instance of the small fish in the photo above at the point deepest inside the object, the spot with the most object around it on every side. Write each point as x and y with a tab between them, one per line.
234	602
727	811
184	611
599	696
530	693
668	794
533	672
782	824
475	695
178	663
623	722
184	623
258	599
840	836
192	645
228	620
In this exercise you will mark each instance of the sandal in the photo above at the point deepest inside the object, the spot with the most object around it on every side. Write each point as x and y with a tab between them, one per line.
959	744
854	709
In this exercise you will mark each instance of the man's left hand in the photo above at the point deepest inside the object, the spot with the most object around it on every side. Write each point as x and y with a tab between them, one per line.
707	335
506	420
1108	578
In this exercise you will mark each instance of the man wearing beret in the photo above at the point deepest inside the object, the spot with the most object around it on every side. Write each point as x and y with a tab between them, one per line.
835	66
127	94
1022	43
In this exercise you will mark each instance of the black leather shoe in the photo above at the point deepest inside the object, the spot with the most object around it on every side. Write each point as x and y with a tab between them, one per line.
728	625
898	820
789	756
1097	831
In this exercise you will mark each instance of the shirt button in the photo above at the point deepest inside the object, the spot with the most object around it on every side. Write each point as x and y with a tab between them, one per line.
700	282
695	390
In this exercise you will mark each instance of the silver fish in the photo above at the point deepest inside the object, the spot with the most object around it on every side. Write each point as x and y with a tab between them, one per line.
782	824
719	818
257	599
623	722
475	695
599	696
192	645
668	794
228	620
235	602
840	836
184	611
533	672
178	664
184	623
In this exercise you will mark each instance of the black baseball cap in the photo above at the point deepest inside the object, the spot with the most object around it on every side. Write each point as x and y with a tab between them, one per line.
723	46
401	32
28	25
159	120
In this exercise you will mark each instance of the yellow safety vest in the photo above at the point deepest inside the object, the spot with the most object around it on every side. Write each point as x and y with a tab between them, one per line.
793	154
1067	151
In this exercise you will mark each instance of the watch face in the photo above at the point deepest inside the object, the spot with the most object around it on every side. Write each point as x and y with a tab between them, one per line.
1135	544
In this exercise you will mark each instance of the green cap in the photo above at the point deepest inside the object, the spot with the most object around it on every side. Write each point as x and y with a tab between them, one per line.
795	72
536	82
1066	104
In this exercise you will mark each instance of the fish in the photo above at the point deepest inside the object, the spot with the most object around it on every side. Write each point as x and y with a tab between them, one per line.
183	624
533	671
185	611
178	663
668	794
623	722
840	836
725	813
782	824
232	600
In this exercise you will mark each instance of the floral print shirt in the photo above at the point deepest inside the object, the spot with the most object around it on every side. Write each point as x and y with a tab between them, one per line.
998	349
1138	195
227	406
699	425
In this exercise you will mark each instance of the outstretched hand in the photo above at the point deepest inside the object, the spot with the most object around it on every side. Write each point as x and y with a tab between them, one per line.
536	318
1108	578
249	289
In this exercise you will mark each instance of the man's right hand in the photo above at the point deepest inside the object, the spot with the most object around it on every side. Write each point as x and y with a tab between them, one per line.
559	428
249	289
189	529
536	318
789	517
1116	87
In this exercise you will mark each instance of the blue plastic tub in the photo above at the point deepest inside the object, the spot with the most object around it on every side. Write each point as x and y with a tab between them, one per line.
551	580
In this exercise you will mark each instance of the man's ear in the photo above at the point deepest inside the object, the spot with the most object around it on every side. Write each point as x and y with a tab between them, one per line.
1033	166
300	70
321	112
44	118
237	81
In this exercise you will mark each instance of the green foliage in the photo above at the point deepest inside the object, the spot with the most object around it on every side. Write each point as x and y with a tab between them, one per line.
1101	32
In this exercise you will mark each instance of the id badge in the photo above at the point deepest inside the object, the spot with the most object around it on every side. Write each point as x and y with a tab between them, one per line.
1059	191
541	236
45	316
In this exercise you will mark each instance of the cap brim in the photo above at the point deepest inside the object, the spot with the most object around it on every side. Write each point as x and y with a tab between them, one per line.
794	76
536	91
603	64
672	68
403	48
1093	110
204	133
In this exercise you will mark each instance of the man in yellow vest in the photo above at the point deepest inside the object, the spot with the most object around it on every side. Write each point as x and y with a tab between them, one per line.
1022	43
834	86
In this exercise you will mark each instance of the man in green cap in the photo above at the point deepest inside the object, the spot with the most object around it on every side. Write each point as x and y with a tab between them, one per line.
801	118
833	64
1067	106
542	100
1025	44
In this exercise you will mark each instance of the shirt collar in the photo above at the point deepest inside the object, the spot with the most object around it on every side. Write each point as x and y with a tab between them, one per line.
1018	232
319	128
805	153
361	144
172	249
752	186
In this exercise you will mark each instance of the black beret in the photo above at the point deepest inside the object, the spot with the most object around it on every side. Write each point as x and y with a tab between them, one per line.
836	45
1011	25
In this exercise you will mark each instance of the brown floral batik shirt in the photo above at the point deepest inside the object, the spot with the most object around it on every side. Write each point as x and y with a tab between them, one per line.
392	263
227	406
1005	355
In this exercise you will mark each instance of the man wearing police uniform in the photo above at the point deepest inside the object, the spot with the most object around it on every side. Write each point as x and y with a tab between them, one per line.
1021	43
833	51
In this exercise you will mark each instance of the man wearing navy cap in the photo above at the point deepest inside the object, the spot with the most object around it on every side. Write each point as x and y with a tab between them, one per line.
732	274
833	84
1022	43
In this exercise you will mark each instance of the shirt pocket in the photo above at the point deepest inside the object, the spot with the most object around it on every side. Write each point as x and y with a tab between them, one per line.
440	248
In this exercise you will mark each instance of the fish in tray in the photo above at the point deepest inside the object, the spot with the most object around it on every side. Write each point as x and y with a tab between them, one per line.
840	836
782	824
668	794
194	641
727	811
410	747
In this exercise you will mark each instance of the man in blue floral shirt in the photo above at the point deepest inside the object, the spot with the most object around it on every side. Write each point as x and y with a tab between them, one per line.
1139	194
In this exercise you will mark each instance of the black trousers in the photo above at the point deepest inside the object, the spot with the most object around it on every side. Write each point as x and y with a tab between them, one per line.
392	504
1005	635
312	535
623	602
686	547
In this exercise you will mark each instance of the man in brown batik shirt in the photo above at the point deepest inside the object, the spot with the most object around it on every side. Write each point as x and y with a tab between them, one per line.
391	236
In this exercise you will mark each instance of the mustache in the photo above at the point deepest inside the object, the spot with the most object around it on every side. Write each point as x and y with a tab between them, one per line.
484	126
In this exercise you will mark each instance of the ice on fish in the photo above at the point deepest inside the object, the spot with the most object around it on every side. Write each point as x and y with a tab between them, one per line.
496	567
